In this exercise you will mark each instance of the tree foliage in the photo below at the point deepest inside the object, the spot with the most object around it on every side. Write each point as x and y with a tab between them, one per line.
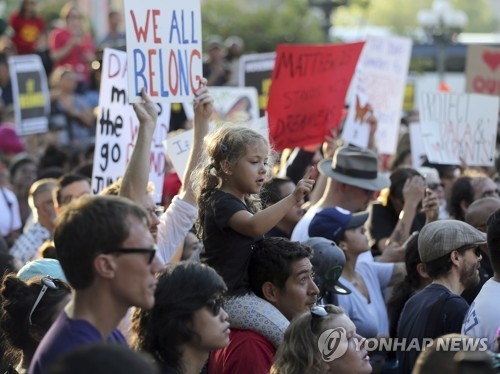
400	16
262	27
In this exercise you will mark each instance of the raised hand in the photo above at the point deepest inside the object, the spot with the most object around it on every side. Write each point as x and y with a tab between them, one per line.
147	111
203	103
304	186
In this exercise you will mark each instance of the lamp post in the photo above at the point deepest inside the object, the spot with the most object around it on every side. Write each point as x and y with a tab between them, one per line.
442	23
327	6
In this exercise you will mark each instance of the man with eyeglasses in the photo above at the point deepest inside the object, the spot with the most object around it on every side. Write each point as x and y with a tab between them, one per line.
108	256
451	253
279	271
482	319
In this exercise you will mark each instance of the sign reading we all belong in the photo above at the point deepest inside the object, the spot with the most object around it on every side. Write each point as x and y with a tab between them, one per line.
163	49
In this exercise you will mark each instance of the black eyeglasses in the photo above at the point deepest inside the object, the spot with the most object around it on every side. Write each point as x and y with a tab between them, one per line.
150	251
215	305
47	282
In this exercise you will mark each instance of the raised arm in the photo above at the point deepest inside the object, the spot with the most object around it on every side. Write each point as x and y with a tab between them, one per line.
203	109
136	177
261	222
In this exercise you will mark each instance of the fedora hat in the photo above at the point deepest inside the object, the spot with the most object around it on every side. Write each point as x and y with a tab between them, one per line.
356	167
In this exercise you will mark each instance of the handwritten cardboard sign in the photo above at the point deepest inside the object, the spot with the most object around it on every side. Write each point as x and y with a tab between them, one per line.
308	89
459	126
163	49
483	70
380	81
31	93
118	126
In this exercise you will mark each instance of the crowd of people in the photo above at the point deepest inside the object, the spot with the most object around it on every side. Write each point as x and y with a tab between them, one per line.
317	262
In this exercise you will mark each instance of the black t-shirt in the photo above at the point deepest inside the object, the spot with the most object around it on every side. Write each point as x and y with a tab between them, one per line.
226	250
415	316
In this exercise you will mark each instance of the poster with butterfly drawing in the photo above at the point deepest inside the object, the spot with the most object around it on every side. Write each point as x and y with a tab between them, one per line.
356	129
235	104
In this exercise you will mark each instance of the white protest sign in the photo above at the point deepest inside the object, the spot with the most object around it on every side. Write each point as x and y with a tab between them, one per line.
29	87
177	148
381	71
235	104
459	126
356	130
118	126
163	49
418	154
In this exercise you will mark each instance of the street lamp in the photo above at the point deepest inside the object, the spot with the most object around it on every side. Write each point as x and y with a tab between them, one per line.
327	6
442	23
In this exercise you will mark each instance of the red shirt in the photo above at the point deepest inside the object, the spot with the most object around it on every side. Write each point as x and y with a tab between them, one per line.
247	353
76	56
26	32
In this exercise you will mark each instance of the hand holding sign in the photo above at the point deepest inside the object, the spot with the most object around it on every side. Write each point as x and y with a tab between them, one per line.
147	112
203	102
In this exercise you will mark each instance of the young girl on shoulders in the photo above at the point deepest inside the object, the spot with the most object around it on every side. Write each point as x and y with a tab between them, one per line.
237	164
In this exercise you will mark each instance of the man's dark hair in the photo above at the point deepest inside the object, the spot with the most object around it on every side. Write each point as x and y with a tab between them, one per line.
461	190
271	193
64	181
103	358
438	267
271	261
89	226
493	239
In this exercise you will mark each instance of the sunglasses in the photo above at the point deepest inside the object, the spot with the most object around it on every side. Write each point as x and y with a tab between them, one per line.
215	305
435	186
317	312
475	248
151	252
47	282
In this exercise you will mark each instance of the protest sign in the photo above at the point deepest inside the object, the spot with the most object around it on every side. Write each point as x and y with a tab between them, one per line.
255	71
31	93
118	126
234	104
482	70
307	94
380	81
163	49
459	126
418	155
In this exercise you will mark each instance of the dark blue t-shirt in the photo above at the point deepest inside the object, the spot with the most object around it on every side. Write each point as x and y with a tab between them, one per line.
65	335
415	316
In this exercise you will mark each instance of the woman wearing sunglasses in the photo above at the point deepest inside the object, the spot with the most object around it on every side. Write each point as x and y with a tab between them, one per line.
27	311
307	347
187	320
